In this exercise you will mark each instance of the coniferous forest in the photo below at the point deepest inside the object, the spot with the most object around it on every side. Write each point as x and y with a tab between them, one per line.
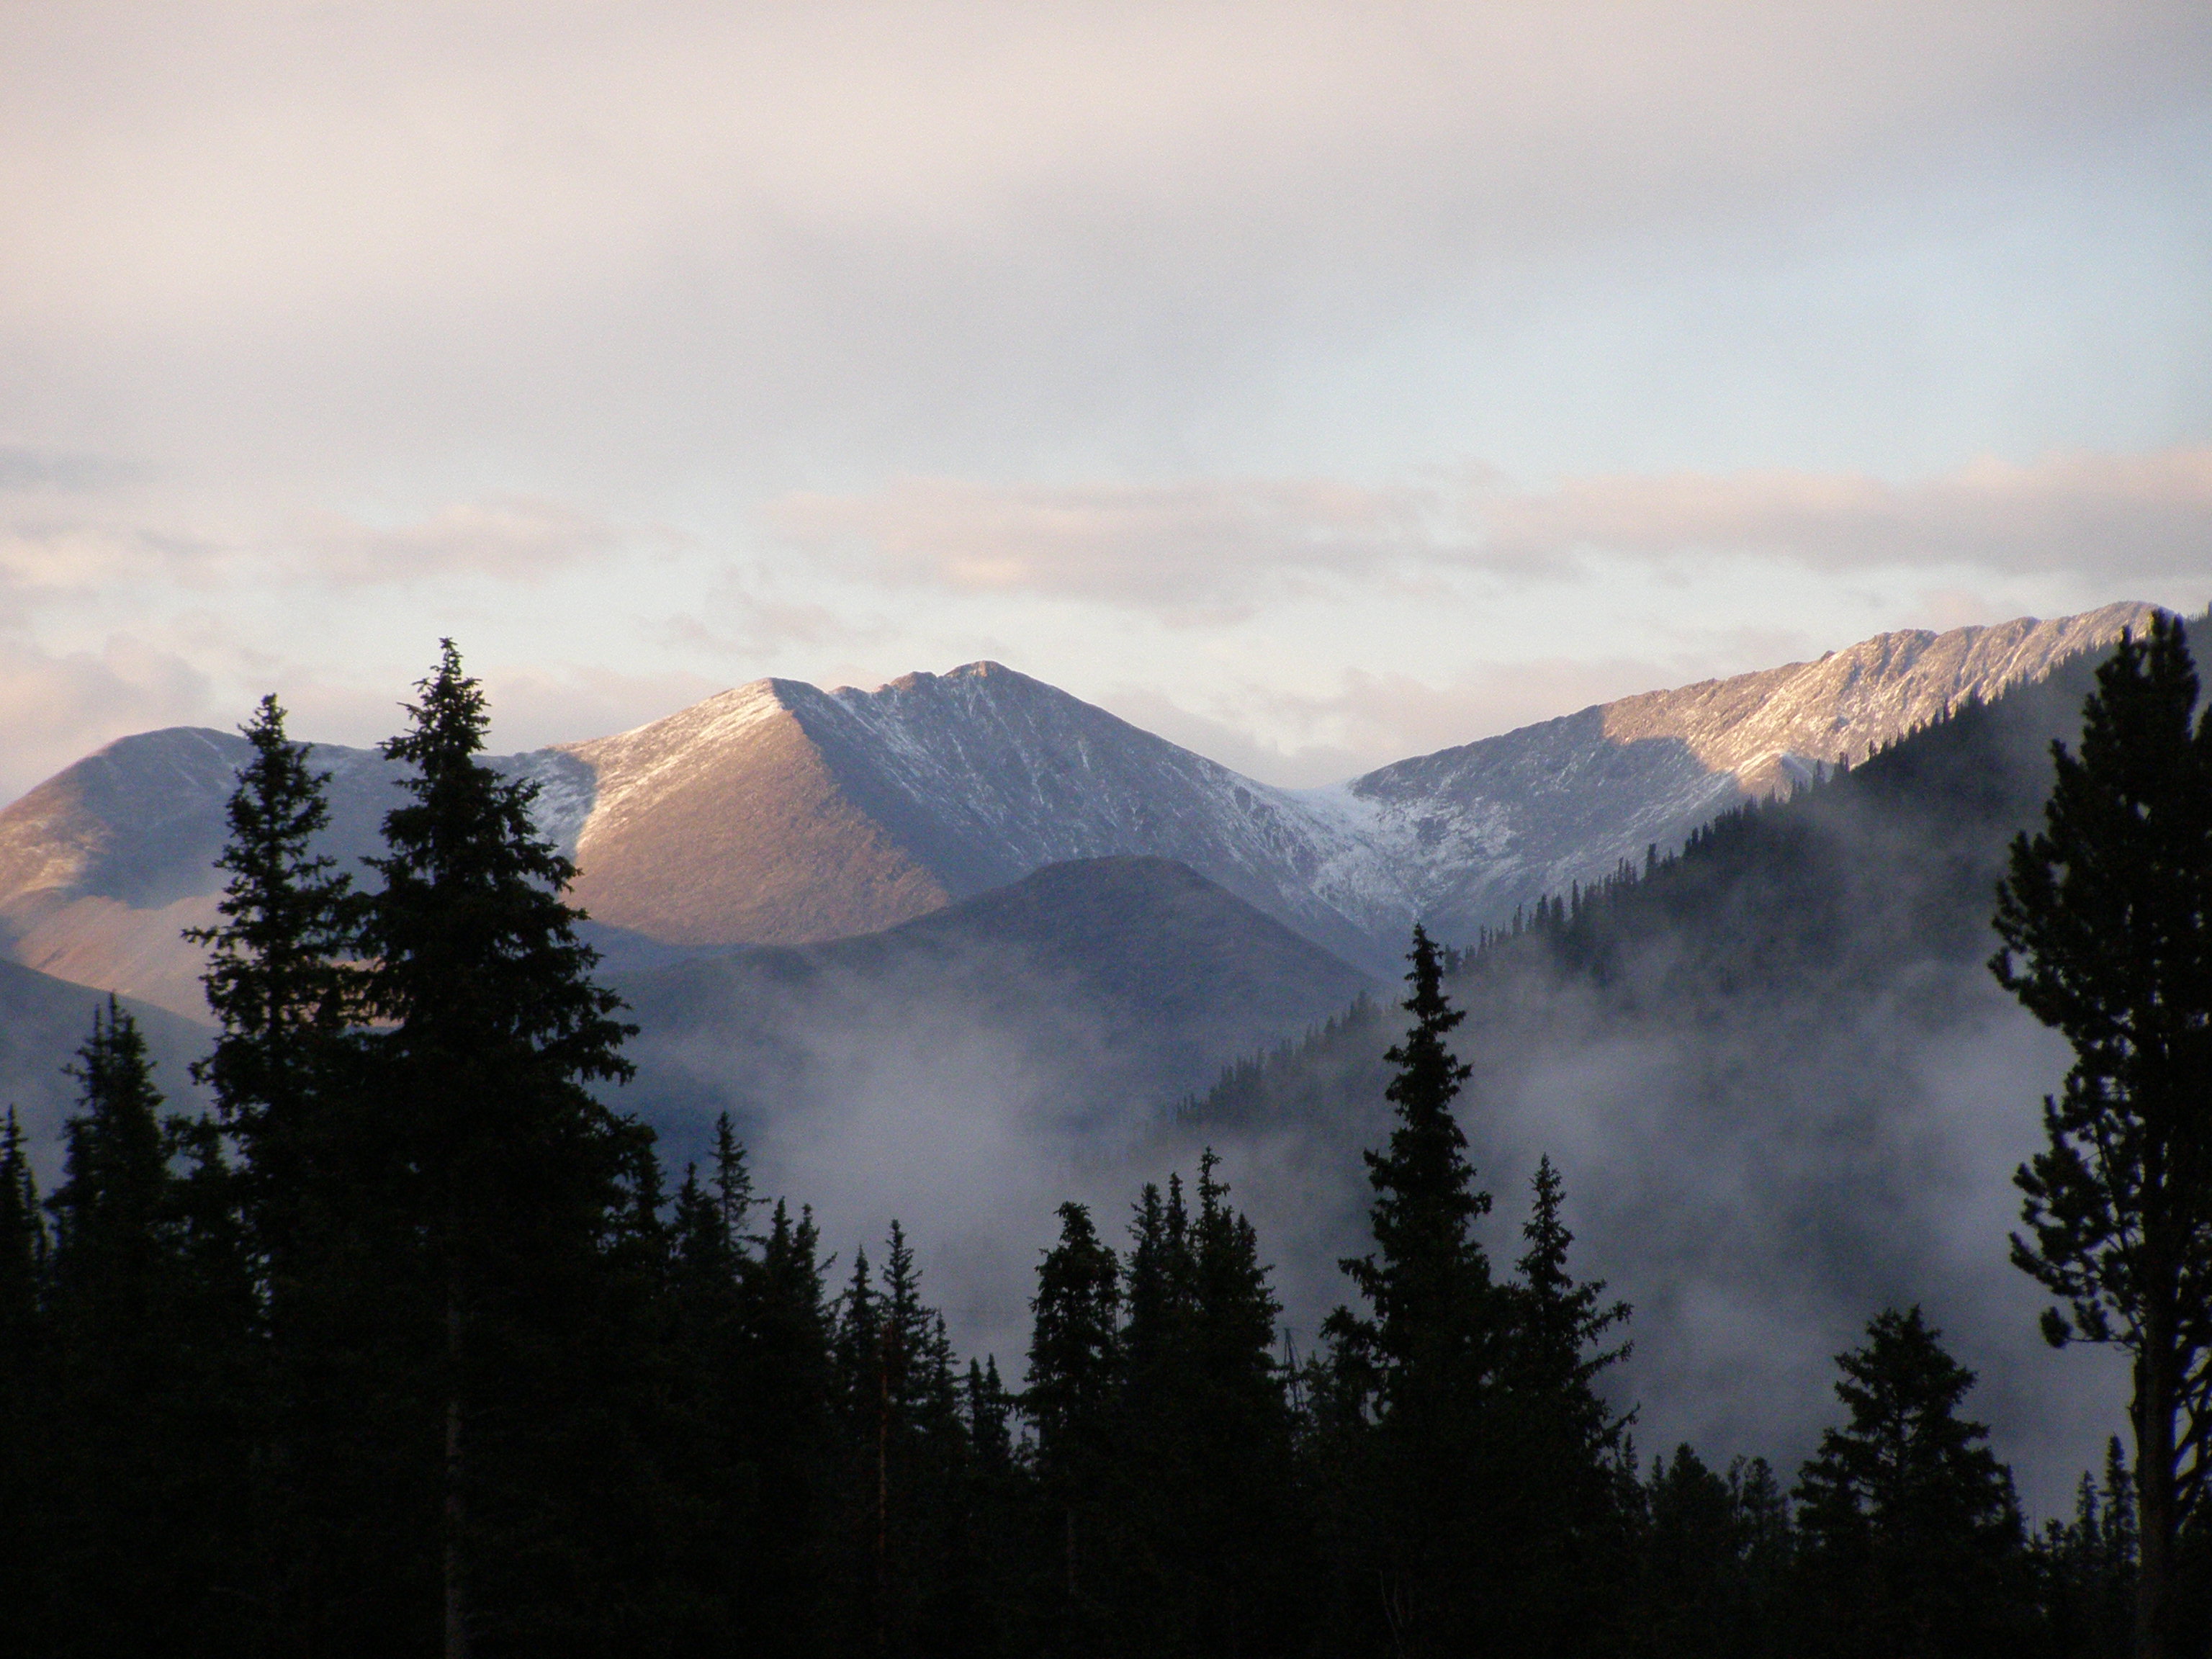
413	1346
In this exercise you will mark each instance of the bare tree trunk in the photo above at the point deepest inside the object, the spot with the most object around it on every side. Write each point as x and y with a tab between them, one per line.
2152	1409
457	1612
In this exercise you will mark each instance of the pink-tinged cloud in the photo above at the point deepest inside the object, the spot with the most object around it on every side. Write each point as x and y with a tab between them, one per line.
2146	514
510	538
1201	545
1212	547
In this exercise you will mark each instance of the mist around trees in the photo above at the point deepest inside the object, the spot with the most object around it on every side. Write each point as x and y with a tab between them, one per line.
414	1345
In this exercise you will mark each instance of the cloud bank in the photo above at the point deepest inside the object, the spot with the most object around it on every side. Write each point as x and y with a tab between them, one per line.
1165	548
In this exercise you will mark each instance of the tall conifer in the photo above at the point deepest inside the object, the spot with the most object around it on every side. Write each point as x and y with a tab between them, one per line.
2106	919
22	1256
280	981
1429	1343
513	1174
1247	1556
1073	1367
145	1476
1559	1484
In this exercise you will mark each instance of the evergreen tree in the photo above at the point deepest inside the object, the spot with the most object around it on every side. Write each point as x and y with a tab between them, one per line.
1715	1553
989	1410
2106	919
1073	1365
1247	1556
1912	1537
1693	1595
1429	1346
281	984
22	1373
515	1181
1159	1299
146	1465
916	1584
1559	1485
783	1414
22	1248
2088	1567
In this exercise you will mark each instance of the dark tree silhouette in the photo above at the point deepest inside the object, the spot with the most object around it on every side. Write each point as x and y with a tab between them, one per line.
1911	1536
284	989
1429	1343
145	1310
513	1177
1073	1363
22	1364
1559	1476
278	977
2106	919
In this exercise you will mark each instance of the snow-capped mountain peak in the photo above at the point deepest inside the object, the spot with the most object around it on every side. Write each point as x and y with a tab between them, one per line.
779	812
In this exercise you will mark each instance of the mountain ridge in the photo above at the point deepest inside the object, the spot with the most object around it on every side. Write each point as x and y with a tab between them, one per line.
777	812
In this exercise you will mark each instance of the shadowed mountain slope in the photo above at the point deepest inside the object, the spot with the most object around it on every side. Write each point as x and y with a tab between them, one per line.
43	1023
1105	986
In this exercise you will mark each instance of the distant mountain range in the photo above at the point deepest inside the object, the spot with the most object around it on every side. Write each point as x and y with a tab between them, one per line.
780	814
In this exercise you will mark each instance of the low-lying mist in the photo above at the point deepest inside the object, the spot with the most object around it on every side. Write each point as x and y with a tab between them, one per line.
1781	1086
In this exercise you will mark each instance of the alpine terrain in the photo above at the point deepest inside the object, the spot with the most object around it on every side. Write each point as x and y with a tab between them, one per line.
782	814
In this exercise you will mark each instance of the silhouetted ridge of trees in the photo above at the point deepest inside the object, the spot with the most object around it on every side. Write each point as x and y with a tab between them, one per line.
413	1346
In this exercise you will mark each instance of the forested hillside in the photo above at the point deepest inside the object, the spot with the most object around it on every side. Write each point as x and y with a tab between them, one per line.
1778	1078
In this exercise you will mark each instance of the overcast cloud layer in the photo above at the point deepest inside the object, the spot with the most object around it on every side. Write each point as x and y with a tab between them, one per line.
1312	384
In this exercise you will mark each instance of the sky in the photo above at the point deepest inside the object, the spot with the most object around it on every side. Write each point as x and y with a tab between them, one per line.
1314	385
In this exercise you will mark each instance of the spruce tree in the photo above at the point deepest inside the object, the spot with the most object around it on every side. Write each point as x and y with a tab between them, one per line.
1716	1558
1558	1490
1074	1353
1912	1542
913	1573
2106	918
1430	1345
22	1245
1247	1557
146	1463
785	1438
280	981
113	1279
513	1178
1692	1593
989	1410
1159	1300
2087	1567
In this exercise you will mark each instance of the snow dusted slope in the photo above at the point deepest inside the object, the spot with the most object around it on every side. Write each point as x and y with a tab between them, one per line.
104	863
781	813
1472	831
778	813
